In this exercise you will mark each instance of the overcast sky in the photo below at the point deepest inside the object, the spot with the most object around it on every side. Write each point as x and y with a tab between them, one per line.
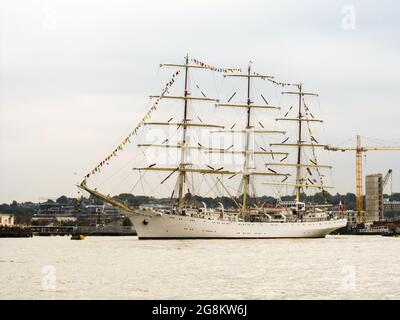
75	75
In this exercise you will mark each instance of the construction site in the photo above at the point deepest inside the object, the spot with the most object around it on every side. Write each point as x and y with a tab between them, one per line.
376	212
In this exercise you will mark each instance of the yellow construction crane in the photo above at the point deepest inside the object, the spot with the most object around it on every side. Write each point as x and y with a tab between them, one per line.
386	179
359	181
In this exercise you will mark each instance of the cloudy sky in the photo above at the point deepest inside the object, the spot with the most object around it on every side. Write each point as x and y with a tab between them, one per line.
75	75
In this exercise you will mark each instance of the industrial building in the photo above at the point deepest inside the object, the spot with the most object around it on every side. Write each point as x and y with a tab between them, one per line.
374	197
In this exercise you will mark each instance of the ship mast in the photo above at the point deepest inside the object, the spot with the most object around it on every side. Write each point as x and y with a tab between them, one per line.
182	173
185	123
301	117
182	168
249	129
246	176
299	141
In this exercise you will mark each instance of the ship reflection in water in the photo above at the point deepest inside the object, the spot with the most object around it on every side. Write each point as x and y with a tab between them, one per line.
337	267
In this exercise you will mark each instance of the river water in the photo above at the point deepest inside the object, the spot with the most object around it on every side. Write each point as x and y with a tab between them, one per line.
337	267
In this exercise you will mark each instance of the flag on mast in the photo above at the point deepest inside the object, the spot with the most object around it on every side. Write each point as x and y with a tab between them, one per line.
341	207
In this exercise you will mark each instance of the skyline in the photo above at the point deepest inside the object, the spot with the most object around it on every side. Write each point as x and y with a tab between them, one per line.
67	68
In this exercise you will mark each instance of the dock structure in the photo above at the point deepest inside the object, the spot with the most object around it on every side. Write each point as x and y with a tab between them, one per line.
9	230
15	232
52	230
84	230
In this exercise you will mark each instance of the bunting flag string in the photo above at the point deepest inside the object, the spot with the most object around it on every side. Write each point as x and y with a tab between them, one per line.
282	84
260	75
134	132
205	65
278	83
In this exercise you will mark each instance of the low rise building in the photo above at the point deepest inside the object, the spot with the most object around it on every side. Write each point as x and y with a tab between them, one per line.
6	219
391	205
98	214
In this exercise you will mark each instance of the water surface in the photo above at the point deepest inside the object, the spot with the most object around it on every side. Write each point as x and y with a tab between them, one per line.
337	267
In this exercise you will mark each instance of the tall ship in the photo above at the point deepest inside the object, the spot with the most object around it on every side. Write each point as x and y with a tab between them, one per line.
248	160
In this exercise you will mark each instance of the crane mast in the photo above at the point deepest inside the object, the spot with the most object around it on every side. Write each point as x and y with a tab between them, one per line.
359	181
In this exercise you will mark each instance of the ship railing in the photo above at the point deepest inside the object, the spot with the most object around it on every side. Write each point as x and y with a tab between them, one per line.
314	219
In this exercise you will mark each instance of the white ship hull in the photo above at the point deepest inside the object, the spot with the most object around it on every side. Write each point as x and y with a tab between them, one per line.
149	225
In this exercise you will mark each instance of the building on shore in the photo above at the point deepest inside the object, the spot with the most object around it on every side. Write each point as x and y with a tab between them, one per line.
54	213
98	214
374	197
6	220
391	205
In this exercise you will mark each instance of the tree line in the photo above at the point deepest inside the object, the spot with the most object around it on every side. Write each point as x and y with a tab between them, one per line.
29	208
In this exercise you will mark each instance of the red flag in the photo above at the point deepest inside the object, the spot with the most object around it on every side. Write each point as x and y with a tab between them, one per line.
341	208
